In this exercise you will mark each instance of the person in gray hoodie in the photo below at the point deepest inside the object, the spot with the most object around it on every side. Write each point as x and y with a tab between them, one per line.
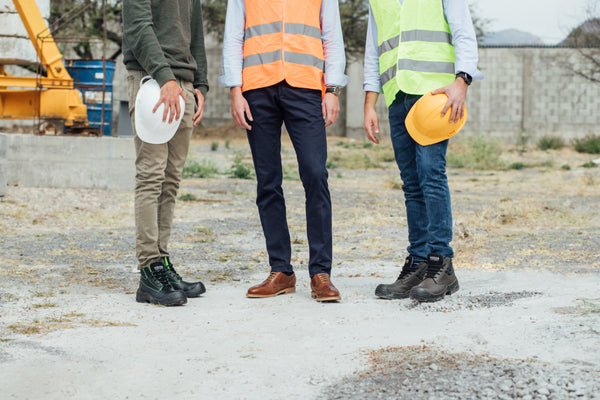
163	39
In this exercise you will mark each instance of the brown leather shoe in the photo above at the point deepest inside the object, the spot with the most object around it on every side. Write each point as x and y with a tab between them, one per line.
323	289
276	283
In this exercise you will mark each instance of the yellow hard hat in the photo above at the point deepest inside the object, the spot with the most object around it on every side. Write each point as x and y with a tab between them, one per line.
425	123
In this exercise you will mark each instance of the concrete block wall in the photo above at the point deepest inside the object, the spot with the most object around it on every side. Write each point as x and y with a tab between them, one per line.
526	93
18	48
67	161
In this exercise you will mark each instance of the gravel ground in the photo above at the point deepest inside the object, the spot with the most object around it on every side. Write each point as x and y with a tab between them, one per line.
540	225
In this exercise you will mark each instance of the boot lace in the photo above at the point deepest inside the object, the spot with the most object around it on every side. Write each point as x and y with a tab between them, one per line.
434	270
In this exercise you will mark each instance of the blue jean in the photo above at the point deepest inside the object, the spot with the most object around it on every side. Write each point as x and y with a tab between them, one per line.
300	110
425	186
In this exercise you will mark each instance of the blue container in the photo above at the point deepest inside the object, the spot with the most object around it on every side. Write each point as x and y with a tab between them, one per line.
92	78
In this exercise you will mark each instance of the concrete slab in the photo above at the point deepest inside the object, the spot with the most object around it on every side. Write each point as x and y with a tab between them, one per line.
67	161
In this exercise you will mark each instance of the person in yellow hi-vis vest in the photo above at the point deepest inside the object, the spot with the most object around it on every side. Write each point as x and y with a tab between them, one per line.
284	63
416	47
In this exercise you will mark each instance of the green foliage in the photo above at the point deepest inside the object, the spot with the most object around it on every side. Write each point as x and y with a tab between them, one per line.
566	167
213	16
227	144
589	144
289	173
476	152
82	22
188	197
239	168
354	15
589	164
193	169
550	143
214	146
352	160
517	165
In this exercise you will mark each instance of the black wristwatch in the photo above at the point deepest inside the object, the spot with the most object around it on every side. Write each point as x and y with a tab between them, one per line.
333	89
466	77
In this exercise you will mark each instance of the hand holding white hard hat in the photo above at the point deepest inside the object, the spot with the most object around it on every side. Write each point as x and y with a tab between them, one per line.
149	126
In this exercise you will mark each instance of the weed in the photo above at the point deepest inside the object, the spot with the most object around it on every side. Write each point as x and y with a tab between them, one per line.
589	144
354	160
331	164
517	165
42	294
476	152
44	305
566	167
289	173
550	143
227	143
240	169
25	329
188	197
193	169
214	146
589	164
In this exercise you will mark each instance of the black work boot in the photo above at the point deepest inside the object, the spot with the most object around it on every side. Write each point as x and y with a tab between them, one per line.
439	280
191	289
411	275
155	287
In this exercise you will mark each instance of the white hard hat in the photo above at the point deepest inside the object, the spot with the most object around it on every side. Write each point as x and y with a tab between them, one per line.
149	126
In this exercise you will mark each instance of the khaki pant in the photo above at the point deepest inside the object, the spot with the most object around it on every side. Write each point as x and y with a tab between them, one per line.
158	170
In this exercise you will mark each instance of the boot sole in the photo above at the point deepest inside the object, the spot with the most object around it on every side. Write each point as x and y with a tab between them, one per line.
390	296
426	297
283	291
142	297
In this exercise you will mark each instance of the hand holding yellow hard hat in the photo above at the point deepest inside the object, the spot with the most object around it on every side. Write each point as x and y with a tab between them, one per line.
425	123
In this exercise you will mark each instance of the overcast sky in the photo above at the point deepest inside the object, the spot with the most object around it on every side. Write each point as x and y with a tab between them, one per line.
550	20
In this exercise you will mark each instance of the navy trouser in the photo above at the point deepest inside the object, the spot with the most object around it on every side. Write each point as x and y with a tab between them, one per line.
300	110
425	186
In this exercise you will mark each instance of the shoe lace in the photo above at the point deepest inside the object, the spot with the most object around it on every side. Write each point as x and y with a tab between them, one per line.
434	270
271	276
161	275
171	268
407	269
324	278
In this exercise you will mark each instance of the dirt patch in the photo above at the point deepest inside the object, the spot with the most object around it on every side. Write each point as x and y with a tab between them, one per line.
426	372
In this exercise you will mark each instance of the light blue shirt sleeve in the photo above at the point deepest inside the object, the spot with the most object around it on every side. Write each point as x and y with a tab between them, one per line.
333	44
372	79
463	38
331	35
233	44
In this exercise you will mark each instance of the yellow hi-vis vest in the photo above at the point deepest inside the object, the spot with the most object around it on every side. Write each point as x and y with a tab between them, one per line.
415	48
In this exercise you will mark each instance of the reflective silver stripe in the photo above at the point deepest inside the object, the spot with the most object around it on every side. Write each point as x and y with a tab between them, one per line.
388	45
304	59
388	75
426	36
262	58
302	29
426	66
263	29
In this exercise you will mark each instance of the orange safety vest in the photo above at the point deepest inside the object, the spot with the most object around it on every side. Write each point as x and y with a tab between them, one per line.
282	41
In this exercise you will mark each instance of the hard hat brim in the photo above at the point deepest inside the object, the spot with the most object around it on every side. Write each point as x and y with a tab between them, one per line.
425	140
149	126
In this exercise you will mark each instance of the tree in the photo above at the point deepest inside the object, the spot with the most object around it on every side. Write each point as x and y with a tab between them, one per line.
585	38
80	25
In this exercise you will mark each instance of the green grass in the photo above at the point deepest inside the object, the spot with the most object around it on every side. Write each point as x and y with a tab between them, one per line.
589	144
550	143
478	152
188	197
239	168
194	169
